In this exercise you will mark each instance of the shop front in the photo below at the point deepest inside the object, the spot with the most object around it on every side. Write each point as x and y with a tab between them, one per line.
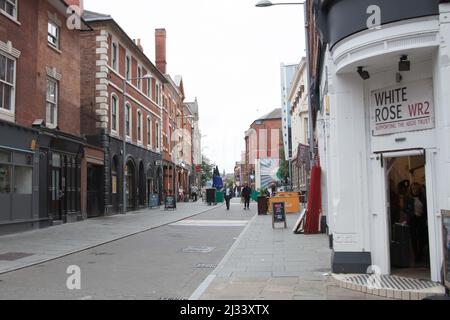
19	197
60	157
384	132
143	177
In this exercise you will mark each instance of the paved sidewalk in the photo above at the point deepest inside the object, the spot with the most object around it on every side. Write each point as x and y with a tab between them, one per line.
267	264
42	245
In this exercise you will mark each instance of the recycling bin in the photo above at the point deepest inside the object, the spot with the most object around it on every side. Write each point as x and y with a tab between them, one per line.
211	196
220	197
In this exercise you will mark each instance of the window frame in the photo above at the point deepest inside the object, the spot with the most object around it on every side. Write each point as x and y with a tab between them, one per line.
149	132
128	121
57	37
139	78
139	127
55	123
116	98
149	86
115	57
128	67
10	111
16	9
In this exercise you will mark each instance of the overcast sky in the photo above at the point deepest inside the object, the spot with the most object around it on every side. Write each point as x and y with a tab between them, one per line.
227	51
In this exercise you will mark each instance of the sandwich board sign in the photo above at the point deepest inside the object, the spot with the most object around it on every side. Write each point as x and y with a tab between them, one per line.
279	214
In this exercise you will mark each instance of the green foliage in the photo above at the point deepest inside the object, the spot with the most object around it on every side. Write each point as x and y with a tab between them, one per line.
207	173
283	172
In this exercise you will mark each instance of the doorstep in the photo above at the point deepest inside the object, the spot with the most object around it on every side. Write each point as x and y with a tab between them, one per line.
389	286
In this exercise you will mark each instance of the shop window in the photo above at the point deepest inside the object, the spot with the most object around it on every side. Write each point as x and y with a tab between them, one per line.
5	157
23	180
5	178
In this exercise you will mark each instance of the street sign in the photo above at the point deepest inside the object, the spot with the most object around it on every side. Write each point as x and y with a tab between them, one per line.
279	214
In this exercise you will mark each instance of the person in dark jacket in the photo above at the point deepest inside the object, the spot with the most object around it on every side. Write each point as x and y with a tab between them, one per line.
228	196
246	194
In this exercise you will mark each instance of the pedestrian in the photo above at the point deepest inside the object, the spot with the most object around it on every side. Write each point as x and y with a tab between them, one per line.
194	191
228	197
246	194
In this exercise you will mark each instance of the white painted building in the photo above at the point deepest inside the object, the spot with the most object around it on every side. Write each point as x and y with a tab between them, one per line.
298	101
376	133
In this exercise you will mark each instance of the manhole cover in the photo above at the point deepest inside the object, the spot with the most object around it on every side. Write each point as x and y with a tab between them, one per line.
172	298
13	256
205	266
198	249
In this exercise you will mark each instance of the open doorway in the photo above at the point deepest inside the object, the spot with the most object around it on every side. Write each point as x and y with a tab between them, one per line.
408	217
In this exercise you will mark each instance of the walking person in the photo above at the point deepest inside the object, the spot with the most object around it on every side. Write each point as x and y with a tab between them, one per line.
228	197
246	194
194	192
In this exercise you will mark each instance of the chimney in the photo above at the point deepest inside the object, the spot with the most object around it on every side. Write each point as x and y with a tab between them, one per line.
139	45
78	3
160	50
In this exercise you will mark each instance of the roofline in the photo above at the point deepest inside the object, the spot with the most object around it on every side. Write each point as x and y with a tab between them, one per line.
133	44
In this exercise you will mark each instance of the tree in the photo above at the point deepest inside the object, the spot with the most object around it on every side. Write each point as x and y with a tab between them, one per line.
207	172
283	172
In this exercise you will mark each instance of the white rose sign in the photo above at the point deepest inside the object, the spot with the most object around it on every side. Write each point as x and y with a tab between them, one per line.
403	108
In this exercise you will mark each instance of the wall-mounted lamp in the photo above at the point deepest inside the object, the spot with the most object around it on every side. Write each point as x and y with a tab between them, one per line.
404	64
364	74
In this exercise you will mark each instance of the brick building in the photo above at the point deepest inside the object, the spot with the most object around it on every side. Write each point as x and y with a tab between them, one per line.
119	80
263	141
41	151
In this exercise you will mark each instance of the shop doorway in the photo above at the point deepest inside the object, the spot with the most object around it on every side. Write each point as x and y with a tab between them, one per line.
408	216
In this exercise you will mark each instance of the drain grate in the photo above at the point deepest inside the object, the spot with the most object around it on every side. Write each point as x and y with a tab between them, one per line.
390	282
14	256
198	249
205	266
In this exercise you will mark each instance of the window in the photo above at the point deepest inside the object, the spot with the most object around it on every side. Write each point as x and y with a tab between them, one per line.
53	34
157	94
114	114
149	132
114	54
139	78
52	102
7	74
158	136
127	68
16	172
139	125
149	88
9	6
128	120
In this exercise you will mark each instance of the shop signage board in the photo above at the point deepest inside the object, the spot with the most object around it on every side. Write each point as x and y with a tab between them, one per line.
403	108
279	214
170	203
446	240
153	201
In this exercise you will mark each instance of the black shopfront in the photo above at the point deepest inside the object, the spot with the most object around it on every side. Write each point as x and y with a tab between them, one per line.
143	176
60	157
